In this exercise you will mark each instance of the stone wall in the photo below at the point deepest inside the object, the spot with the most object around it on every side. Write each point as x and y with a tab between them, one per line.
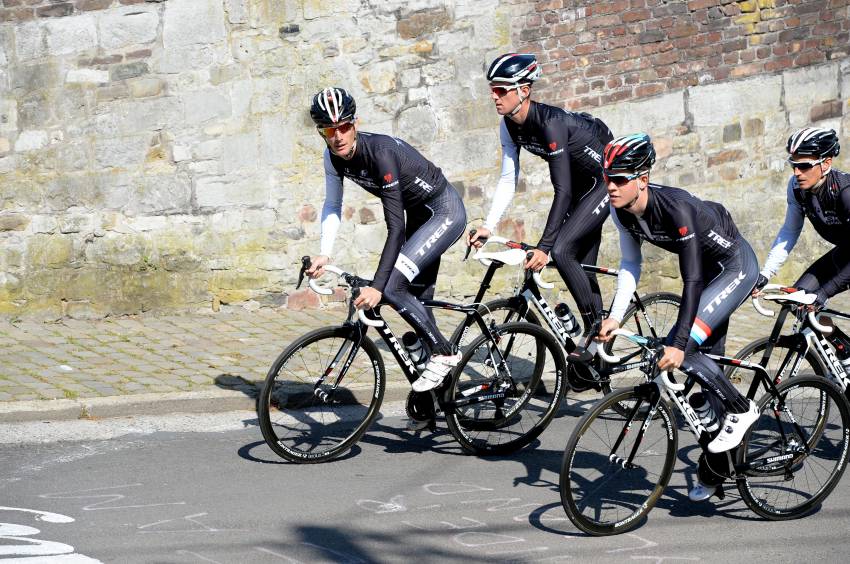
158	155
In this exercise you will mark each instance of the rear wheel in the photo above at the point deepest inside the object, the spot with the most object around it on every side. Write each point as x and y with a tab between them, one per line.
504	393
782	360
799	445
304	414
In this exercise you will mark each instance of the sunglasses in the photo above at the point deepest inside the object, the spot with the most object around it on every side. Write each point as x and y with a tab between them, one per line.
620	179
503	90
803	166
331	131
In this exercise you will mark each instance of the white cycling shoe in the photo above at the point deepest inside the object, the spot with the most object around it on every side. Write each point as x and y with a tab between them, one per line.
435	372
701	492
734	427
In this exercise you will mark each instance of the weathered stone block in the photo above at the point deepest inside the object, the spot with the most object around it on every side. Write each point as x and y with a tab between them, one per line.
275	142
161	194
87	76
423	23
187	22
720	104
120	152
129	70
379	77
8	116
237	11
49	251
223	191
31	141
13	221
418	124
124	27
660	114
70	35
206	105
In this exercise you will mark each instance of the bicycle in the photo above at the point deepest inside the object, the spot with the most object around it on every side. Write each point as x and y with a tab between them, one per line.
325	389
806	350
652	314
610	478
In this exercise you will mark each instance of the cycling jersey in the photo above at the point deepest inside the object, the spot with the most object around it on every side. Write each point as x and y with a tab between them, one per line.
390	169
572	143
828	210
701	232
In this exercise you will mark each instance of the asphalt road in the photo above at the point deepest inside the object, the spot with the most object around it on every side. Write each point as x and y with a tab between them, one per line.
205	488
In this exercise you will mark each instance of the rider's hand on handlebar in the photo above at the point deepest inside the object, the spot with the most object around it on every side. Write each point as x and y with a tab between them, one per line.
672	358
760	283
317	264
537	261
608	325
369	297
478	237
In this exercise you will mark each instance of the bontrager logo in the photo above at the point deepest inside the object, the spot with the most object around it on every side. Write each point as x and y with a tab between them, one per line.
433	238
724	293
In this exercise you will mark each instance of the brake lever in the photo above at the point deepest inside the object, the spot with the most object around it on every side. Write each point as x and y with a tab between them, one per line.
305	264
469	247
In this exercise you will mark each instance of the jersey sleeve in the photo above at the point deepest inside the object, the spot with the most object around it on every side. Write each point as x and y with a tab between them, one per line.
683	226
630	267
788	234
556	139
332	208
507	180
389	169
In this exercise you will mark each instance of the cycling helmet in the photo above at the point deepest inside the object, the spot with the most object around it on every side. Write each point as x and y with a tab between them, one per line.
814	141
630	153
514	68
332	106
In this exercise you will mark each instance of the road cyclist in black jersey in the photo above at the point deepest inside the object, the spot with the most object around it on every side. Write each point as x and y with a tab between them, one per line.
822	194
423	212
571	143
718	269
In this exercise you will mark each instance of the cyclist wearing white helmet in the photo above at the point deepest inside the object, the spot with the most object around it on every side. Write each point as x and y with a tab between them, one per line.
424	215
572	144
821	193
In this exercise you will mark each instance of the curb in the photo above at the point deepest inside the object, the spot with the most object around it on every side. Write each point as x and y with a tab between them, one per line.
207	401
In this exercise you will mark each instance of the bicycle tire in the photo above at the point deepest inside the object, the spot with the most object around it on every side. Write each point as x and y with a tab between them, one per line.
662	311
298	425
496	408
599	494
776	491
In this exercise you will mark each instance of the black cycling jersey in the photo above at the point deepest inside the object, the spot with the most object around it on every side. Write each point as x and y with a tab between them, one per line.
572	143
701	232
398	174
829	209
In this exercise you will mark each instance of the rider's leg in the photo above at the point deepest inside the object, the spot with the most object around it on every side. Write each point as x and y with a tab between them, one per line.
829	275
578	241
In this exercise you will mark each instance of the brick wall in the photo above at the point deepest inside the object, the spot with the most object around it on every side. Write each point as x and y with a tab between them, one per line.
596	53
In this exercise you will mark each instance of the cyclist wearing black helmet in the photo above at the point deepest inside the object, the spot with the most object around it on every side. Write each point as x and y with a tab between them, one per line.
408	185
572	144
817	191
718	268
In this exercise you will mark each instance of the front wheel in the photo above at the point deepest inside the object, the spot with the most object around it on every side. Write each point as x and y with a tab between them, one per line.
504	392
321	394
617	465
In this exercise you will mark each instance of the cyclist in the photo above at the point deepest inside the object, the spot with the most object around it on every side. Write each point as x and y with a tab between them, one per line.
817	191
572	144
718	268
407	184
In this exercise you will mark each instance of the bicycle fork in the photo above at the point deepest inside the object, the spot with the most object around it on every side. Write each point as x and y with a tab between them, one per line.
327	396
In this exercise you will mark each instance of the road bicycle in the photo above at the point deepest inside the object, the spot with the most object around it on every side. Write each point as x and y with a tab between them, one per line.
616	465
805	351
325	389
652	314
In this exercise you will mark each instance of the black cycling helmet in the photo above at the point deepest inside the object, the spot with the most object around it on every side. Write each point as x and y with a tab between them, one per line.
514	68
815	142
630	153
332	106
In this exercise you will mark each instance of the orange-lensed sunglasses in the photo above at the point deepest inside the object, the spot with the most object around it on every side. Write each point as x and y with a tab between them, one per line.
331	131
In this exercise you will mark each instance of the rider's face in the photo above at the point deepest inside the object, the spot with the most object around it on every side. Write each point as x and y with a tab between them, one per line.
340	139
808	170
506	96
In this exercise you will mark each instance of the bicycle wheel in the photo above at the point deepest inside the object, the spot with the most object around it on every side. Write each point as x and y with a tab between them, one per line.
602	493
782	360
302	424
660	312
503	393
798	448
500	311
